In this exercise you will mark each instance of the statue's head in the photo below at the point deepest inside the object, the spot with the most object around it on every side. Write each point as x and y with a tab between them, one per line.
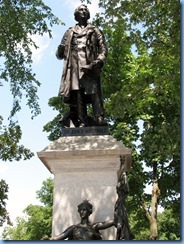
86	205
77	11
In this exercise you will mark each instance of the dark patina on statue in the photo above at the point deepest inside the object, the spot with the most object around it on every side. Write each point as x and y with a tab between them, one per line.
120	214
84	230
84	52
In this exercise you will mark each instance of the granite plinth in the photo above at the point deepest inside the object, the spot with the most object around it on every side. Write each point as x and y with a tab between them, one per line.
84	167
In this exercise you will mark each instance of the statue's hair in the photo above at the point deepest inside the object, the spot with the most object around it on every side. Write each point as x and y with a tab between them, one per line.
76	13
86	204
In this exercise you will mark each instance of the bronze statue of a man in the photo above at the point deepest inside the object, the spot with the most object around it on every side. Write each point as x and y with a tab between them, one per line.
84	52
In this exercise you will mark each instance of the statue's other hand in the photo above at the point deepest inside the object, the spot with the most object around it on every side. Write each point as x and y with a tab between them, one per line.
61	49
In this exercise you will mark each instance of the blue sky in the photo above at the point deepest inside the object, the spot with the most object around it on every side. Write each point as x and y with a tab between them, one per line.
25	177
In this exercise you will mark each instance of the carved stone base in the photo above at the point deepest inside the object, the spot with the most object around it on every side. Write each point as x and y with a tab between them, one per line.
84	167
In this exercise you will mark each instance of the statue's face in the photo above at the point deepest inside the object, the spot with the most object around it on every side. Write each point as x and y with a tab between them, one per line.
83	211
83	12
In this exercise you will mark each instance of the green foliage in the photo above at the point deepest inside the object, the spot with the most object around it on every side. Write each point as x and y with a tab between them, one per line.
139	224
19	233
45	194
4	216
150	90
9	147
35	226
37	222
20	20
53	127
169	225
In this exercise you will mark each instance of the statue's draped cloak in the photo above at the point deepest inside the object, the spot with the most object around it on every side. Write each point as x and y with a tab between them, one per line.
89	47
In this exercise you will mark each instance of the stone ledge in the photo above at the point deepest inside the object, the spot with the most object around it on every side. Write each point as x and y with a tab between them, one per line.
85	143
82	165
77	153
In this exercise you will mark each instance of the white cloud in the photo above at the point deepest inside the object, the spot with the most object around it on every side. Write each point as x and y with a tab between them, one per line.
42	42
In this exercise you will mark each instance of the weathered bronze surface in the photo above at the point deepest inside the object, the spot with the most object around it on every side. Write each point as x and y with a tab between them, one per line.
120	214
84	230
84	52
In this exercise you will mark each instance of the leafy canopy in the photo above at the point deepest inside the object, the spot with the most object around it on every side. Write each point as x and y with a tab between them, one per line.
4	216
20	20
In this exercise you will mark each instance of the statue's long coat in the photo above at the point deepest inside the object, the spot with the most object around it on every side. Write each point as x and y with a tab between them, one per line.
95	50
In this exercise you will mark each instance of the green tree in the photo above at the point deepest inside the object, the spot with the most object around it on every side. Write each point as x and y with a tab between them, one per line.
37	222
151	93
4	216
20	20
169	225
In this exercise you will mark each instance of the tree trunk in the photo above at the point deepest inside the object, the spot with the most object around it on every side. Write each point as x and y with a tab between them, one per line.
152	217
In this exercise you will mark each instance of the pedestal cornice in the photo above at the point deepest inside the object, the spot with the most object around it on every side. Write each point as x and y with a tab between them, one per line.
67	152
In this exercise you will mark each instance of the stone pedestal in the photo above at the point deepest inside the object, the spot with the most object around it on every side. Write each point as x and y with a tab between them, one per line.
84	167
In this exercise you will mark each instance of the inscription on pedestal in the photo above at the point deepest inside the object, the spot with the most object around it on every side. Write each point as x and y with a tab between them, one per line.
84	131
